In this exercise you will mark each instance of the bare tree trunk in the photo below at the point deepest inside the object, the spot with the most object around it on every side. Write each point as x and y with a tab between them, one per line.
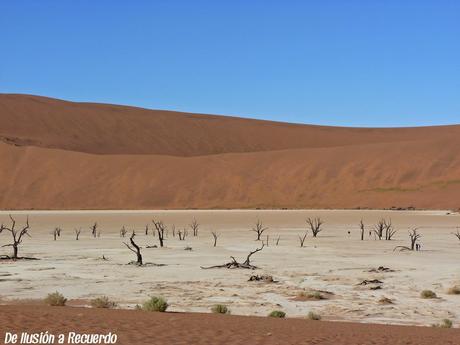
136	250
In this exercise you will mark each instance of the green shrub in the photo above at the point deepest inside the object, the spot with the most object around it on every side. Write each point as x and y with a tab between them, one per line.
454	290
314	316
103	302
220	309
277	313
55	299
155	304
446	323
427	294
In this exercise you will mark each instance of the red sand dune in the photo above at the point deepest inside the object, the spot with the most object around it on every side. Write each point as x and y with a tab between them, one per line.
138	327
63	155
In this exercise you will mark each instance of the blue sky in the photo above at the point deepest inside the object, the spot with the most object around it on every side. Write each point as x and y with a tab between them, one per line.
348	63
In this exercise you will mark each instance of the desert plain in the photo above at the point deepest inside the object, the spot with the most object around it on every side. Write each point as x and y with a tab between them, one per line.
335	263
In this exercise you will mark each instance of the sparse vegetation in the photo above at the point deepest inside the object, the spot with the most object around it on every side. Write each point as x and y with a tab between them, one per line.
446	323
55	299
315	225
312	295
428	294
454	290
259	229
155	304
313	316
102	302
385	300
220	309
277	313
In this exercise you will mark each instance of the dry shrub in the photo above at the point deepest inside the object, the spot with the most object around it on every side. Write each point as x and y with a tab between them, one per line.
220	309
446	323
454	290
428	294
314	316
55	299
155	304
278	314
103	302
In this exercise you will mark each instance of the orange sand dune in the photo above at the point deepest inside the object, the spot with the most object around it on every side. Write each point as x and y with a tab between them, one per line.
63	155
138	327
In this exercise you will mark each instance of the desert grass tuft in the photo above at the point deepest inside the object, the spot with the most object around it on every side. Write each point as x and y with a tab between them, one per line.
103	302
155	304
277	313
220	309
428	294
454	290
55	299
313	316
446	323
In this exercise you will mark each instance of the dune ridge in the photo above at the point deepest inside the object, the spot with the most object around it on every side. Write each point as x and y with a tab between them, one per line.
62	155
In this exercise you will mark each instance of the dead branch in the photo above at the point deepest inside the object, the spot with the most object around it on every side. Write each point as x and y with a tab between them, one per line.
361	226
414	237
182	234
17	236
161	228
93	229
194	226
215	235
457	234
315	225
259	229
277	240
77	233
135	249
302	239
235	264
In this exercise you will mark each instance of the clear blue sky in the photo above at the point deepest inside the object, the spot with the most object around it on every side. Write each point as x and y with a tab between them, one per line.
352	63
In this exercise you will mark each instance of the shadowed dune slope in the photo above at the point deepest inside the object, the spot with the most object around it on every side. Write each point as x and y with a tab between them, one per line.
63	155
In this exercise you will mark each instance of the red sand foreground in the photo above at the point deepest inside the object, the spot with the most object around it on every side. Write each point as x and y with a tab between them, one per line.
138	327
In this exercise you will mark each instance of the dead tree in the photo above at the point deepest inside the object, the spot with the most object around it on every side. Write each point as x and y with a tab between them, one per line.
146	229
194	226
182	234
267	240
315	225
123	231
414	237
93	229
57	232
302	239
215	235
277	240
235	264
457	234
259	229
17	236
161	228
173	228
389	230
379	228
77	233
135	249
361	226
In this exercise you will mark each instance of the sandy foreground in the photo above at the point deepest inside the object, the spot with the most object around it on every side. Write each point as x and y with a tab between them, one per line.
138	327
335	262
